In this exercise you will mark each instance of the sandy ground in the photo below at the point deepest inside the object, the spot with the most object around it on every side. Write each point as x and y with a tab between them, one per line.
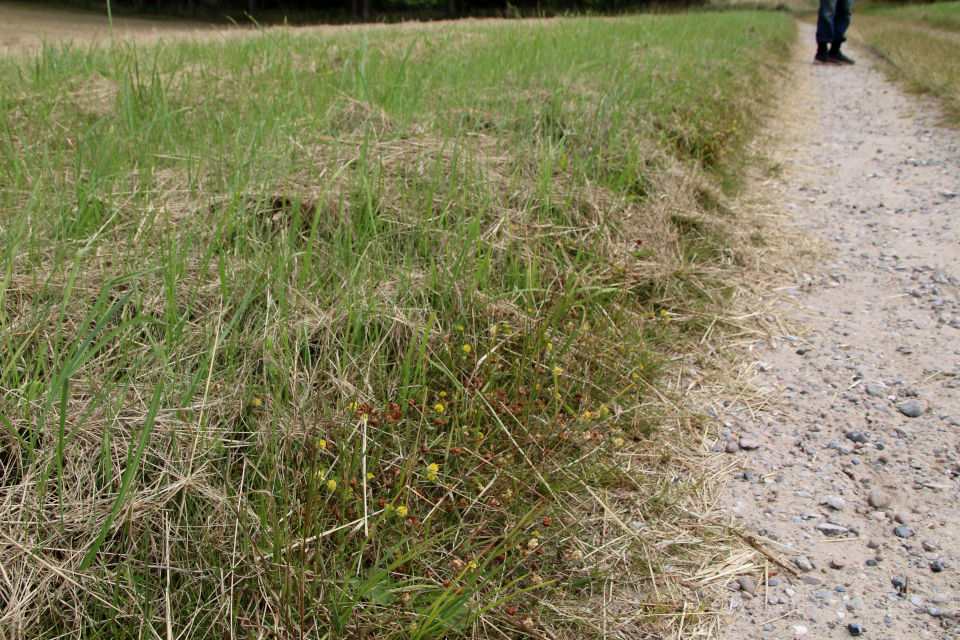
28	26
862	500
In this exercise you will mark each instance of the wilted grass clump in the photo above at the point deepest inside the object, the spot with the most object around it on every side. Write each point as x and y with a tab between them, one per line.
361	335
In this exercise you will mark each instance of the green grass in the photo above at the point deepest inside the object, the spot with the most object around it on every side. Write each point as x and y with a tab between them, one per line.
940	15
253	289
917	41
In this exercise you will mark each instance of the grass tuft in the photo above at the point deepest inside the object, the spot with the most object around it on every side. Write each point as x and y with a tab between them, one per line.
365	334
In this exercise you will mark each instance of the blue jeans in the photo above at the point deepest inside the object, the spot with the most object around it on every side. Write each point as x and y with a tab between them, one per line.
833	20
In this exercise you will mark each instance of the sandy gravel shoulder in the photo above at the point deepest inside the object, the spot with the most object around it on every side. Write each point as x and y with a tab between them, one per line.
854	477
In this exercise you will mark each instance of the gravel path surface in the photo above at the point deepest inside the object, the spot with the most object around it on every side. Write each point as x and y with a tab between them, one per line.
856	467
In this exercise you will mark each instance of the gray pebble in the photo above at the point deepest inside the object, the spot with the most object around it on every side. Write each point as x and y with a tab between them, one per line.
836	503
830	529
856	436
911	409
875	390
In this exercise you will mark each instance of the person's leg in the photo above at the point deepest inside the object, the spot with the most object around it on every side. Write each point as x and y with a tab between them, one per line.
840	24
825	21
844	9
825	31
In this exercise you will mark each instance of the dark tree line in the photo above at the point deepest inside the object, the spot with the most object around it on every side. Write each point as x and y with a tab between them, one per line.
345	10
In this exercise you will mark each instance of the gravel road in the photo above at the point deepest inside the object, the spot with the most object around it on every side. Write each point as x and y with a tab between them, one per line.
856	468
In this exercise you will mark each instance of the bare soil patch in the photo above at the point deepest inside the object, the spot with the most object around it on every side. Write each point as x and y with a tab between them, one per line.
26	27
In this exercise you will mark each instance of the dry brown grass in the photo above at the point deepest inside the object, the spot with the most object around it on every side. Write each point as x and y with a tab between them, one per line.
222	530
926	60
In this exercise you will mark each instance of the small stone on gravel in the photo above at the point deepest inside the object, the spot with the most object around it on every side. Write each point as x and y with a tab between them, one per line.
903	531
830	529
836	503
911	409
856	629
747	584
803	563
856	436
878	499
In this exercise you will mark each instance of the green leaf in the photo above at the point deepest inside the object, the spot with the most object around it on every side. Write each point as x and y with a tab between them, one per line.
133	461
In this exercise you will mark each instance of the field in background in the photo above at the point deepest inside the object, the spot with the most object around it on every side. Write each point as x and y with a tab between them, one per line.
30	25
364	333
922	43
939	15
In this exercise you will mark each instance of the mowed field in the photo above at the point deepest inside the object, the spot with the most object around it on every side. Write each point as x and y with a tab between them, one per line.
28	26
922	43
365	332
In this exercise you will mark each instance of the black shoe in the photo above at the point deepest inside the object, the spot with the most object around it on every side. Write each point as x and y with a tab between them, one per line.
839	58
826	58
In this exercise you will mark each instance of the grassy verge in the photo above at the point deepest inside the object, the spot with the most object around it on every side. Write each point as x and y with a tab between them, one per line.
920	44
362	333
938	15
